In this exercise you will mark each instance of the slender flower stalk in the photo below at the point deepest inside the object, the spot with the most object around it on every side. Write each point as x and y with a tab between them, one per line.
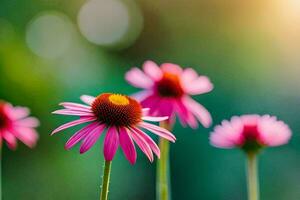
251	133
105	180
124	119
252	177
163	173
167	91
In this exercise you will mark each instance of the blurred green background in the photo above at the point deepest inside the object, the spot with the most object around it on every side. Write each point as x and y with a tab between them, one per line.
56	50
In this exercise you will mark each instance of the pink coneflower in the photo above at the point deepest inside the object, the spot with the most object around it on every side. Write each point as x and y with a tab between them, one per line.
122	116
167	91
15	124
251	133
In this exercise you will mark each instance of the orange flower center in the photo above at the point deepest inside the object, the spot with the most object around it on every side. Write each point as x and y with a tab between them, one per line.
169	86
117	110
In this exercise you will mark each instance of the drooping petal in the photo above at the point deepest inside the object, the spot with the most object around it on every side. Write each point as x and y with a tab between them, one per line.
91	138
151	102
27	135
199	111
184	115
81	134
74	123
111	143
219	141
10	139
273	132
137	78
87	99
152	70
228	134
127	146
139	140
158	131
73	113
149	140
165	107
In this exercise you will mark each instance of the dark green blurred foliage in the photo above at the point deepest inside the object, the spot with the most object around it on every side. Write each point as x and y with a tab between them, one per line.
229	41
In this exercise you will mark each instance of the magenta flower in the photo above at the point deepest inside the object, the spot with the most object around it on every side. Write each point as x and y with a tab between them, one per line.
250	132
167	91
15	124
122	116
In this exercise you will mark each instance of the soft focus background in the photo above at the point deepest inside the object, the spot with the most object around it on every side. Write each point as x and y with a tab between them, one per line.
55	50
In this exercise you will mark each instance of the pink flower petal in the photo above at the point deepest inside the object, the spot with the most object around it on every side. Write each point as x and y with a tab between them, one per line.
273	132
30	122
188	75
111	143
73	123
220	142
171	68
10	139
140	96
16	112
79	135
154	119
138	79
142	144
76	107
87	99
151	102
199	111
199	86
149	140
27	135
73	113
145	111
127	146
158	131
165	107
184	115
91	138
152	70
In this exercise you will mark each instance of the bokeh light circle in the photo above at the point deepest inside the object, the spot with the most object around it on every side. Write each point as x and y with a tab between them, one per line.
110	23
49	34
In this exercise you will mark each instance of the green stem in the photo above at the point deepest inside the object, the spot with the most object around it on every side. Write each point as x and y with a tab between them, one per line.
252	177
105	180
163	178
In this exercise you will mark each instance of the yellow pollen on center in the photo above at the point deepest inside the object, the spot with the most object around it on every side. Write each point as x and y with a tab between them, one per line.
118	99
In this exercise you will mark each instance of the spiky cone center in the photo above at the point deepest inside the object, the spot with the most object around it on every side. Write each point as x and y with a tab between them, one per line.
117	110
169	86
